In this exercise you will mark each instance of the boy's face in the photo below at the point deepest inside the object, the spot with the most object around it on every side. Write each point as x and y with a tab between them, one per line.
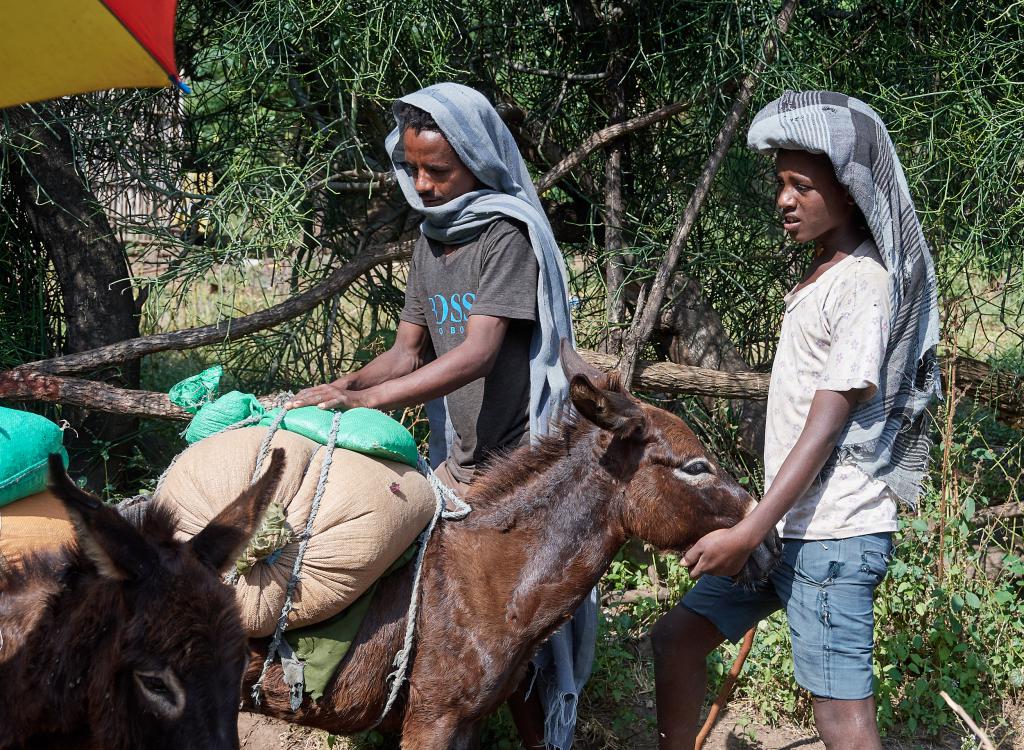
812	202
437	172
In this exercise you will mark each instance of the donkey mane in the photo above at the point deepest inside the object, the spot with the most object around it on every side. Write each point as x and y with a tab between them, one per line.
506	469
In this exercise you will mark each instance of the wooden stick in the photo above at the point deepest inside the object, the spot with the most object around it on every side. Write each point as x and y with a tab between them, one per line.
726	690
986	743
644	320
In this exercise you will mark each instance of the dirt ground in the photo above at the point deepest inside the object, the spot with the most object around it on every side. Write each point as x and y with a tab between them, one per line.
733	732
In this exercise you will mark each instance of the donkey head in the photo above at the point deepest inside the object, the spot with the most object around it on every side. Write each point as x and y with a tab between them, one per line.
168	663
673	491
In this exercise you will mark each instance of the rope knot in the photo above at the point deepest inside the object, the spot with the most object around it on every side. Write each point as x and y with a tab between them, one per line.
273	535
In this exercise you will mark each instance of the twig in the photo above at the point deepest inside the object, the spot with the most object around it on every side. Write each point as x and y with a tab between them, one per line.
602	137
947	478
557	74
643	322
986	743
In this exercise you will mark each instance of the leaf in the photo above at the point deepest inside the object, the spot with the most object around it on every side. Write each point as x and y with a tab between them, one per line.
972	600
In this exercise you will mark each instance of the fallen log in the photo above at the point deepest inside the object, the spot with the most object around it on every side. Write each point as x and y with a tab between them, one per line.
1000	391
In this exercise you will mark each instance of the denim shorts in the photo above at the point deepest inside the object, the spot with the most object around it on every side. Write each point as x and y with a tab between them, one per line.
826	587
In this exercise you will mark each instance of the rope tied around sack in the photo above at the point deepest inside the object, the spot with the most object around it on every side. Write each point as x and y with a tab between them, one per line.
293	581
460	509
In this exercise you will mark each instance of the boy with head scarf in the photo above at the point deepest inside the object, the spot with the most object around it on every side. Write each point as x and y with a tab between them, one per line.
845	435
486	308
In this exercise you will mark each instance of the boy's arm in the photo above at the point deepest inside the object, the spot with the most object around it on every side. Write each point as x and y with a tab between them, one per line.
398	387
724	552
407	354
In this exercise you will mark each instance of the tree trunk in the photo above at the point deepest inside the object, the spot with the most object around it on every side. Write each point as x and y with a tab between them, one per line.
692	334
614	190
92	270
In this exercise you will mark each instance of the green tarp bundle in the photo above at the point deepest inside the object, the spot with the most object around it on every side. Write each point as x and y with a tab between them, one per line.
26	440
364	430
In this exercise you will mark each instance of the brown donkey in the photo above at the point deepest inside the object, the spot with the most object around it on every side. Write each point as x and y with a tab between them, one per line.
129	640
546	522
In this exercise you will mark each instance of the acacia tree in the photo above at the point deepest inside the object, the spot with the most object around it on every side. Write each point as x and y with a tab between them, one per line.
278	156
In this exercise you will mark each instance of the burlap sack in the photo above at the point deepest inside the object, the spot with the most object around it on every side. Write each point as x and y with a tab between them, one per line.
37	523
371	512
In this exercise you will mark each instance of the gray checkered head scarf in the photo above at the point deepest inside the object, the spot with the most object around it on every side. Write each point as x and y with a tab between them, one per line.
887	435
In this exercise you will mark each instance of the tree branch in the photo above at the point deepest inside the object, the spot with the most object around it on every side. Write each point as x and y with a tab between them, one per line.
227	330
643	322
1004	511
601	138
21	385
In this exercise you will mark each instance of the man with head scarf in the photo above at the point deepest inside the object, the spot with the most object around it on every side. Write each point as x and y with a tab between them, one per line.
845	436
485	310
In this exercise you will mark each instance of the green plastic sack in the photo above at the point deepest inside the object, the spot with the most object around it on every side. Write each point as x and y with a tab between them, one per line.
26	441
364	430
215	416
191	393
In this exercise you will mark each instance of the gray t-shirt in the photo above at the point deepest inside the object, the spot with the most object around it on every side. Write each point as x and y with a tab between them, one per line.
494	274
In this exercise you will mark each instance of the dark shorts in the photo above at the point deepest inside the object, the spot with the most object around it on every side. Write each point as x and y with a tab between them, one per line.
827	589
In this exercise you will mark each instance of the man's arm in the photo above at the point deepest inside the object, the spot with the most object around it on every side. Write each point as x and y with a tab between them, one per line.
472	359
406	355
724	552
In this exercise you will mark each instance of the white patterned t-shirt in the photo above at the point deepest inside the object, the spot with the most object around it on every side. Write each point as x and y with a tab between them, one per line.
833	338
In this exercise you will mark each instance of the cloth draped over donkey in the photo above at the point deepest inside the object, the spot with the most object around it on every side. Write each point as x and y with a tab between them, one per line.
887	435
485	145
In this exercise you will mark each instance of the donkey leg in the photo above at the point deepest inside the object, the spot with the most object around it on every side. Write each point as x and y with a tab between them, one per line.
467	737
428	732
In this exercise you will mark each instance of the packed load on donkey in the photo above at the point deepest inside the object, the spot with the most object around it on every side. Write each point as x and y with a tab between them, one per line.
370	511
31	517
353	500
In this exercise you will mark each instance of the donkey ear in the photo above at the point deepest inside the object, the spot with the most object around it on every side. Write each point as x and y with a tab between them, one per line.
573	364
115	547
224	538
610	410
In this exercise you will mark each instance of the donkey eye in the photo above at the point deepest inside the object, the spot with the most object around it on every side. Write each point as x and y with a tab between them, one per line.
154	684
696	468
163	692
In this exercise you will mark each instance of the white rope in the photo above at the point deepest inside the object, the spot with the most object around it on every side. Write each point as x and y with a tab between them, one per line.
460	509
321	486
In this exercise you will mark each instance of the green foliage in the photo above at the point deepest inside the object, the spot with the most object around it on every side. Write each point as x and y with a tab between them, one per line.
263	182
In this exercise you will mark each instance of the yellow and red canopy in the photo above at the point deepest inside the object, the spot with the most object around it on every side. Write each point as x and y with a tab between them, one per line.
50	48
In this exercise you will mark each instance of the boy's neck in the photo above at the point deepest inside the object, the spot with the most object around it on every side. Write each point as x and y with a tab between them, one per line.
840	241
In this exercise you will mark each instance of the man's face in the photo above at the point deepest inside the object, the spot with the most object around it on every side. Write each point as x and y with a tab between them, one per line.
812	202
437	172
